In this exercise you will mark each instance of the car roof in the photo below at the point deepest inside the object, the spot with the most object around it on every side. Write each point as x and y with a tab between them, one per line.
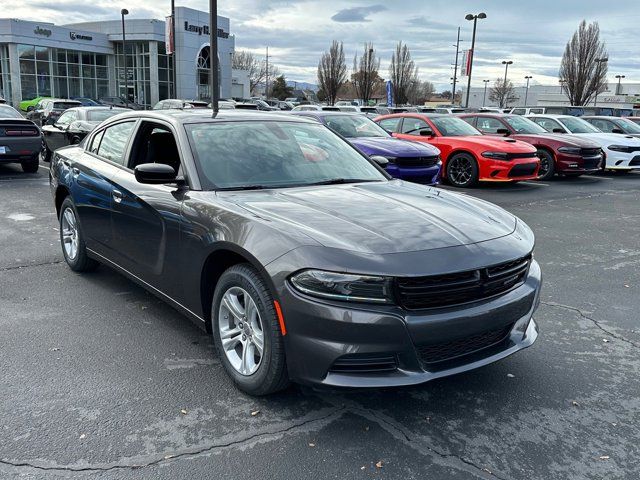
420	114
202	115
326	113
488	114
551	115
603	117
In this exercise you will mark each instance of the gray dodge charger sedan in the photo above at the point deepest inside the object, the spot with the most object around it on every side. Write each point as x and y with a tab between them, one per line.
301	256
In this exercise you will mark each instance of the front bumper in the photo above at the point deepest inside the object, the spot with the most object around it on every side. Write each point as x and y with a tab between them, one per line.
322	334
622	161
508	171
423	175
566	163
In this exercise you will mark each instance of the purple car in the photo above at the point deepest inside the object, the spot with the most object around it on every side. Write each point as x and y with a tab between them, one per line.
417	162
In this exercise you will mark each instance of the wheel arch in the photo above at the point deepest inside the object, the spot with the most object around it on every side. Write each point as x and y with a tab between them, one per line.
456	152
62	192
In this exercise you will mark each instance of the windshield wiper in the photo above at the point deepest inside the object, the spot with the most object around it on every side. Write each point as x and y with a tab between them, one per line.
242	187
338	181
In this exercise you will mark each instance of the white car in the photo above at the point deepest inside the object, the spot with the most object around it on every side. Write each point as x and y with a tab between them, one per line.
315	108
621	152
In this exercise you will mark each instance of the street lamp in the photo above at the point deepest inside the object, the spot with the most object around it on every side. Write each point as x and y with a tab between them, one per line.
506	64
619	89
599	61
526	92
124	12
475	18
484	97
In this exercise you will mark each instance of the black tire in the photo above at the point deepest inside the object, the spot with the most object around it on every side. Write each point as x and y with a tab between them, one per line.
46	154
31	165
462	170
81	261
547	165
75	140
271	373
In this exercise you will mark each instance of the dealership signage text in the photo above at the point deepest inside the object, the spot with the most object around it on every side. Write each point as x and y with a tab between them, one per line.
203	30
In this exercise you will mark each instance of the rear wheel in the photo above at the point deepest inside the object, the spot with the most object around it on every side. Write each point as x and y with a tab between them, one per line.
72	239
31	165
462	170
246	332
547	166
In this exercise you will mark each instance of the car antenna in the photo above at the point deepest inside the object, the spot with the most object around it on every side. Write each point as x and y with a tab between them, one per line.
213	56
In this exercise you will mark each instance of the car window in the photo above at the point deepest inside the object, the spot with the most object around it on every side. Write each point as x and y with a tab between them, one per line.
547	123
518	111
354	126
453	126
274	154
390	124
100	114
489	125
114	142
412	126
64	105
95	143
628	126
536	110
67	117
9	112
578	125
523	125
604	125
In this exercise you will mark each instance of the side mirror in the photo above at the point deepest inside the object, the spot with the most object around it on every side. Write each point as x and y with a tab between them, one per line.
558	130
617	130
380	160
155	173
503	131
426	132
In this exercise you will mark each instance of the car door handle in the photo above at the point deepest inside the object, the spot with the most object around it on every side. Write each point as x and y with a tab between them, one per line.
117	196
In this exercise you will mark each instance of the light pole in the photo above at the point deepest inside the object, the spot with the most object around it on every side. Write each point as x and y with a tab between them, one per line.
455	66
526	92
619	89
124	12
213	56
504	101
173	45
475	18
599	61
484	96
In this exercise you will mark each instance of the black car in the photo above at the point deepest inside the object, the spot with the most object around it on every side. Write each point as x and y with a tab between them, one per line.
305	260
73	125
20	139
48	110
120	102
87	102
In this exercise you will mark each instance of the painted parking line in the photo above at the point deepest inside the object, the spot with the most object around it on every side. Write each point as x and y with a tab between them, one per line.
535	183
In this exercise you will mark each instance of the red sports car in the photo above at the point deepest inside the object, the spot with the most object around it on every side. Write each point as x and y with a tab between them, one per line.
467	155
559	153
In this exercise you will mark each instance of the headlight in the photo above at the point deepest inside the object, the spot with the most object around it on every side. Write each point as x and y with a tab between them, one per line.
618	148
496	155
570	150
391	159
342	286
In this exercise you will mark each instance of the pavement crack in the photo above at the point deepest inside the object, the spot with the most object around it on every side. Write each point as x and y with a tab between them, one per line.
592	320
28	265
334	414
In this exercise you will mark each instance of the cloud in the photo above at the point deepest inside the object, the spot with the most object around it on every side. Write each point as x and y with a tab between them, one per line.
357	14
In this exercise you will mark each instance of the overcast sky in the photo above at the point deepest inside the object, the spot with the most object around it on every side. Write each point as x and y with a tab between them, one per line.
532	34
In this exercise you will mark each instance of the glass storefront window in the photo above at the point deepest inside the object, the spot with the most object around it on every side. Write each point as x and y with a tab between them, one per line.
42	53
27	67
26	52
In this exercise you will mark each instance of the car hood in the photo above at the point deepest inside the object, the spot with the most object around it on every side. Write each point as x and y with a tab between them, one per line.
610	138
568	140
377	218
393	147
493	143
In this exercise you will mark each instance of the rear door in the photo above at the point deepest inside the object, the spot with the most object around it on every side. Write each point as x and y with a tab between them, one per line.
93	177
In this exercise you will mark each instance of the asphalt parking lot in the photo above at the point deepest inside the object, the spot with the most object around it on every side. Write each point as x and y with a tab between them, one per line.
102	380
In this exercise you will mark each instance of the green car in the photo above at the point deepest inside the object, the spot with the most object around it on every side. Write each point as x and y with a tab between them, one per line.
25	104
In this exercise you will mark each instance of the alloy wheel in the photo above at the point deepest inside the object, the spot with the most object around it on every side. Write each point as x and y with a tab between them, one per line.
69	234
460	170
241	331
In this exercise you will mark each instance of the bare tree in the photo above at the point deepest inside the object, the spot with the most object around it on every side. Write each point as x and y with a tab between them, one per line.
365	72
332	71
503	92
403	73
420	92
584	69
245	60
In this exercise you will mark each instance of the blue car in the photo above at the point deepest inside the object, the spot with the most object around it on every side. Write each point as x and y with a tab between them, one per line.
413	161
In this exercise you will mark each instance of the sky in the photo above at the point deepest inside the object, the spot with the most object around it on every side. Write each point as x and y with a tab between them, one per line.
532	34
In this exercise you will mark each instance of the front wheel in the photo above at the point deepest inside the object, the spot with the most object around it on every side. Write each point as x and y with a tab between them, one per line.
462	170
247	333
72	239
547	166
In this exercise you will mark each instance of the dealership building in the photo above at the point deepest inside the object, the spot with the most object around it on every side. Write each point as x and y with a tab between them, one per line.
87	60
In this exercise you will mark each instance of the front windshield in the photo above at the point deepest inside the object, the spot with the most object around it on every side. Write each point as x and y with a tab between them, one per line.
577	125
9	112
354	126
272	154
98	115
453	127
524	125
628	126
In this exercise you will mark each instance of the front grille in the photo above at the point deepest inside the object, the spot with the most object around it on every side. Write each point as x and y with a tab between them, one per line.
416	161
592	162
523	170
433	354
513	156
462	287
635	161
365	363
590	152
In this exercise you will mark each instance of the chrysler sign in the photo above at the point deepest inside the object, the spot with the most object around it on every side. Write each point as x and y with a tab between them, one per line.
78	36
